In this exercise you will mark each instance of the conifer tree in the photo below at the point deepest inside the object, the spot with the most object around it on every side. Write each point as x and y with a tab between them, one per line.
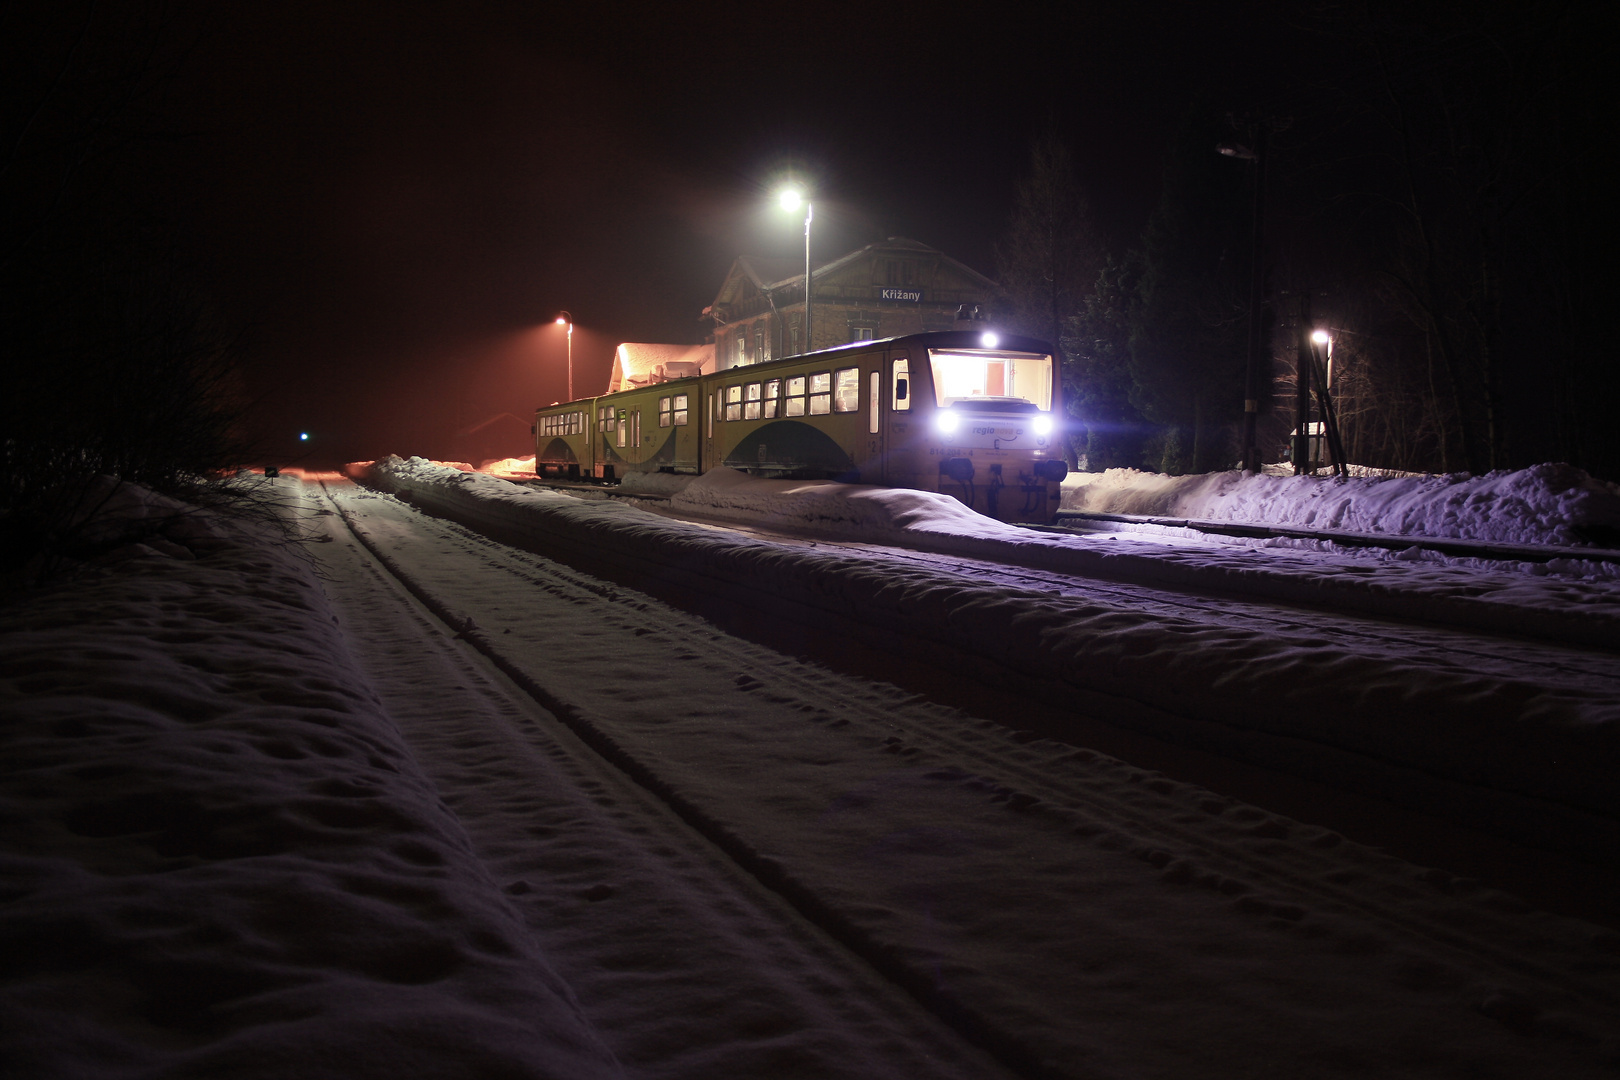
1050	256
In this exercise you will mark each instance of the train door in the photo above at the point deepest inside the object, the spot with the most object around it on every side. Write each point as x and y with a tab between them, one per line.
900	464
710	457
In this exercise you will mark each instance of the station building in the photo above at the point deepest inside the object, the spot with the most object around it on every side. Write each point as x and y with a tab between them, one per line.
886	289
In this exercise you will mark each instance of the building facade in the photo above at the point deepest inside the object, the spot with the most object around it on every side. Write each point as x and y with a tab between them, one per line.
882	290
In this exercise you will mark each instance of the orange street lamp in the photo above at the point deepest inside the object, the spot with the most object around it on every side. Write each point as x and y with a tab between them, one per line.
565	319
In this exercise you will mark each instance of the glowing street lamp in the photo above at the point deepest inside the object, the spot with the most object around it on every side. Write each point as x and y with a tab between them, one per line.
565	319
790	201
1323	339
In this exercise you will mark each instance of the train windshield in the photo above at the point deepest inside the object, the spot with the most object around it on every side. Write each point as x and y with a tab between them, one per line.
992	377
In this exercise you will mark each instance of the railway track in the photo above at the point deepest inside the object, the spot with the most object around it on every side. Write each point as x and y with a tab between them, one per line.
1180	656
866	769
1468	549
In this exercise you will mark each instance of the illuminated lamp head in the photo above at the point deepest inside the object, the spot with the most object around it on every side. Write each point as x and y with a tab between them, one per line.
303	436
989	339
790	199
947	422
1321	337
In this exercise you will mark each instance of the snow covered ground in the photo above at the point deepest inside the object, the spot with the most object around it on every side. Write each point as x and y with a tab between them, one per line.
248	832
1547	504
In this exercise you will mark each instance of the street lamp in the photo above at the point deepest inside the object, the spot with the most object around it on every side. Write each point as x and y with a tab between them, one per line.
1322	338
790	201
565	319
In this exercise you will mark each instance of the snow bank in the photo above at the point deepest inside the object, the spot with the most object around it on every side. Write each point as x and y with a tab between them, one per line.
1546	504
848	510
220	858
1179	676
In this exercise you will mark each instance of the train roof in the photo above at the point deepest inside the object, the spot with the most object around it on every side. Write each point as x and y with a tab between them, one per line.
640	363
936	339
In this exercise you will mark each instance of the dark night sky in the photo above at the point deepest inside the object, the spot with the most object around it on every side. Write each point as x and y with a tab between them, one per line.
396	197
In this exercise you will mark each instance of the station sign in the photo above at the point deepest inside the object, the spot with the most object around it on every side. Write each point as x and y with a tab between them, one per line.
909	295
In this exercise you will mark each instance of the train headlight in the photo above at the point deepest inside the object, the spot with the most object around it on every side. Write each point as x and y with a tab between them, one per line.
1042	425
947	423
989	339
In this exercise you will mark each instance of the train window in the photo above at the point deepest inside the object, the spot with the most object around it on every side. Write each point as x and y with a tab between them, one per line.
820	393
970	375
773	391
846	390
733	400
679	411
604	419
795	396
872	402
751	401
622	423
902	383
664	412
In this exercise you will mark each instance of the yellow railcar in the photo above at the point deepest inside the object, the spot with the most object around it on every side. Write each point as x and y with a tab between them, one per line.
647	429
966	413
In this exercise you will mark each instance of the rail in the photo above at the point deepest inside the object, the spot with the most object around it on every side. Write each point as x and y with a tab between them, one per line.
1481	549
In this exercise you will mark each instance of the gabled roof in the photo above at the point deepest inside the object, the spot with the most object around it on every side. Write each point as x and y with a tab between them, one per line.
775	274
761	273
900	244
639	363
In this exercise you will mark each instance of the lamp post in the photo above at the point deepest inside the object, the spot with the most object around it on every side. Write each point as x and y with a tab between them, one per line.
565	319
790	201
1324	340
1323	377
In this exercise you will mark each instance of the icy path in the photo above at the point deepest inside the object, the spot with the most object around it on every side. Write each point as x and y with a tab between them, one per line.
1076	915
685	965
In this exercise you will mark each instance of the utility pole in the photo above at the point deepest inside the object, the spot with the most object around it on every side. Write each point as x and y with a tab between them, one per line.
1256	357
1302	389
1251	368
